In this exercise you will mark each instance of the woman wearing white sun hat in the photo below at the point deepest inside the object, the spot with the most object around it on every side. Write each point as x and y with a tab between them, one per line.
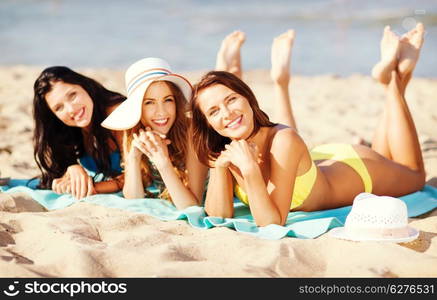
157	154
138	80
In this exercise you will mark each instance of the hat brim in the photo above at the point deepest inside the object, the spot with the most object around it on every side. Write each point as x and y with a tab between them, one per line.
182	83
128	113
341	233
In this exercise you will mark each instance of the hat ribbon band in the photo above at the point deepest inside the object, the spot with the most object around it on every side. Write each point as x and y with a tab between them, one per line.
140	80
398	232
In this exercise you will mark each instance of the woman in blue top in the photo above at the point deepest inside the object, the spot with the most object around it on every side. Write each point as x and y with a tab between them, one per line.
68	140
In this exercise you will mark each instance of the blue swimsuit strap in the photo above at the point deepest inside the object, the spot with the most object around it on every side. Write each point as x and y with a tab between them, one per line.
90	164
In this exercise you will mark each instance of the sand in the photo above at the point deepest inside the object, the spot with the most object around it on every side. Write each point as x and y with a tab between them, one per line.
86	240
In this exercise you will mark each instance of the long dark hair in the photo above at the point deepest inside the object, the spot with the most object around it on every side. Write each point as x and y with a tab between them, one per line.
207	142
56	145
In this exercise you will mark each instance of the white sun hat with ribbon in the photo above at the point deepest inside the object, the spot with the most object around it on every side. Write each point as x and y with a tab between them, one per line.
138	78
376	218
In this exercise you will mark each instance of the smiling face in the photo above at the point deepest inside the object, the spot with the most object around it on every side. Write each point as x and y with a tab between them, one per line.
226	111
159	107
71	104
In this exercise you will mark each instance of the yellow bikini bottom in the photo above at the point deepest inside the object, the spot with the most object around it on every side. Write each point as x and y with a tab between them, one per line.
303	184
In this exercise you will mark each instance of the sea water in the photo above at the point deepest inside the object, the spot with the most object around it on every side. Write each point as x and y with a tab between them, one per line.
332	36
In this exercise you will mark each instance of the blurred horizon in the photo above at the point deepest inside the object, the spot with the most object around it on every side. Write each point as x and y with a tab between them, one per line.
332	36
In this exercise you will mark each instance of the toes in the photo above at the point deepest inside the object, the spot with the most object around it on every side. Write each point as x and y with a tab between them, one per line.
404	38
410	34
288	35
231	36
241	36
236	35
419	29
393	35
291	34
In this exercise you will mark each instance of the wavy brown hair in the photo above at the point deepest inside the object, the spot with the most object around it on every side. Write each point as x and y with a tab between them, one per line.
207	142
177	134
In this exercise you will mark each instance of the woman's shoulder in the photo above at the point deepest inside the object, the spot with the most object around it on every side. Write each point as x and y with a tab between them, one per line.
282	132
283	137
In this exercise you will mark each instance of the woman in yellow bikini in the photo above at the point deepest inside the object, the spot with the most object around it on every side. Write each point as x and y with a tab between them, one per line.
268	165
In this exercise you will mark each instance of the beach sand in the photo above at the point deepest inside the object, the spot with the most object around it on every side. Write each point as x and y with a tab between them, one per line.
86	240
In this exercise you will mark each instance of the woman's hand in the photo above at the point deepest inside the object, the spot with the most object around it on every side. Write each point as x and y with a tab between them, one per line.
223	161
75	181
61	185
243	155
154	146
134	151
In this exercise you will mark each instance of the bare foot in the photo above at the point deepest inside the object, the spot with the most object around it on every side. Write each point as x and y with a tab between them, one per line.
389	56
280	57
228	56
410	46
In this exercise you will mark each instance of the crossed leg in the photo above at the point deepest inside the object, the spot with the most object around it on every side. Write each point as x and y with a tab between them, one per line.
280	75
395	161
396	136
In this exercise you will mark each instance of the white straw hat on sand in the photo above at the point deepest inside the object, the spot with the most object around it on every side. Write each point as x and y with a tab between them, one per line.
376	218
138	77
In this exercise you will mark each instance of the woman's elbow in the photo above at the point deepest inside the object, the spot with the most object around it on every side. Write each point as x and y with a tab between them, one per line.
218	213
131	195
276	220
186	204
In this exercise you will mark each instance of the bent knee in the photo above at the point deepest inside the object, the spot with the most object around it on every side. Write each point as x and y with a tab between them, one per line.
421	179
417	181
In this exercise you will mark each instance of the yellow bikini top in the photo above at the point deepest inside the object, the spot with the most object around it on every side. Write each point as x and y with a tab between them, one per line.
303	184
302	188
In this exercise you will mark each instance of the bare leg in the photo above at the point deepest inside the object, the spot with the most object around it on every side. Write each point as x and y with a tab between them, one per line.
379	141
410	46
280	74
389	56
405	172
398	169
408	52
396	136
382	73
228	56
401	132
401	175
